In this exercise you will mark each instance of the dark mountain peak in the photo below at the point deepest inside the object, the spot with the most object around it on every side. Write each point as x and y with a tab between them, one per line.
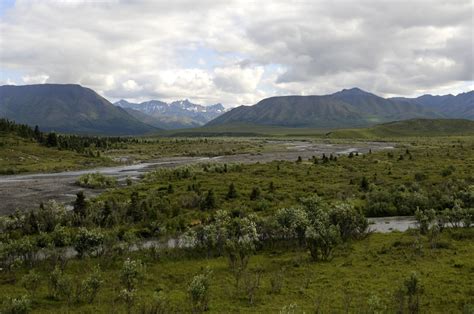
353	91
216	107
122	103
67	108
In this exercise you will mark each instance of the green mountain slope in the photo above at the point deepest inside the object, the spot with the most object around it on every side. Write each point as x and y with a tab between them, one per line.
347	108
410	128
68	109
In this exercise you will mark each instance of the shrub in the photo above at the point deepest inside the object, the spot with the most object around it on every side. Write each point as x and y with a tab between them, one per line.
91	286
424	219
292	223
130	274
276	282
96	181
242	238
31	282
87	241
16	305
198	291
60	285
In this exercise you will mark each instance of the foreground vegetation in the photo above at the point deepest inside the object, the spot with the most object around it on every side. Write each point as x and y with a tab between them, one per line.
282	236
372	275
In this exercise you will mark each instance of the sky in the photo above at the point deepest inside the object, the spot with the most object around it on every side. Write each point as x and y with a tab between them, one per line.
239	52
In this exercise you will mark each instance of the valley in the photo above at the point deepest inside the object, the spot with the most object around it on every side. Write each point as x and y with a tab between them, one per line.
194	157
28	191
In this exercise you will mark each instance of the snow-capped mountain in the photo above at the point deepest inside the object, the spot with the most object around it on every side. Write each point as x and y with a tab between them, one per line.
177	114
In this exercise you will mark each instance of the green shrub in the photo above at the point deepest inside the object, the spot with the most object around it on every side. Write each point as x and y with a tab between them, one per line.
87	241
31	282
96	181
198	291
16	305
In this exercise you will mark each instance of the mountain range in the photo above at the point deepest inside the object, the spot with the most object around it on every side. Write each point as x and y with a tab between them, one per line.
347	108
74	109
67	108
174	115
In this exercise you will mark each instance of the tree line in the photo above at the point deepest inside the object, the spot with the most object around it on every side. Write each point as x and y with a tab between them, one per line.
77	143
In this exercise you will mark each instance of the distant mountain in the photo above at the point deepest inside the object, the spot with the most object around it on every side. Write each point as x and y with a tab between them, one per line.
175	115
460	106
347	108
67	108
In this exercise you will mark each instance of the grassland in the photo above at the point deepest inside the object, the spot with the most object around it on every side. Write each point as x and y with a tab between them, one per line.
361	273
19	155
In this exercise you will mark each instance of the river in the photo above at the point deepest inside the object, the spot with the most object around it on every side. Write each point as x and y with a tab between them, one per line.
27	191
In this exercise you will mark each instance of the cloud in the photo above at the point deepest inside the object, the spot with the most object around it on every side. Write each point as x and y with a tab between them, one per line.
238	52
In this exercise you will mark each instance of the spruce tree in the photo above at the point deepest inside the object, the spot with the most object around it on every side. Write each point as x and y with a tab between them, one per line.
232	193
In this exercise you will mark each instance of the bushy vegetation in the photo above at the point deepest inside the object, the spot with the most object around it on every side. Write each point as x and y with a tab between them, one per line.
96	181
277	236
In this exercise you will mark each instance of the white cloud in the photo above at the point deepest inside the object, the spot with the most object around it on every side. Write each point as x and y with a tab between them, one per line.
244	50
35	79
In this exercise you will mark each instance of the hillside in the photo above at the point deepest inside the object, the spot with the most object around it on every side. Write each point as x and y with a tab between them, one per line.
347	108
460	106
174	115
68	109
410	128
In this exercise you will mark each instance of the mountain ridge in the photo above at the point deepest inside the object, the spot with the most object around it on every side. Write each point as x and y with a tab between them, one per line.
68	108
173	115
347	108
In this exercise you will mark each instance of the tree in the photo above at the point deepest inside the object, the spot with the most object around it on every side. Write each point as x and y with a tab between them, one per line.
38	135
232	193
255	194
80	204
209	201
52	140
322	237
292	223
351	223
134	211
271	187
242	238
364	184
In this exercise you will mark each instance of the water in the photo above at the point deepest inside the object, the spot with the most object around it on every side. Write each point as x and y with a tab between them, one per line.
389	224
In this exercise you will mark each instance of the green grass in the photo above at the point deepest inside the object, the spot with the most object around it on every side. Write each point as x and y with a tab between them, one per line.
19	155
375	266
